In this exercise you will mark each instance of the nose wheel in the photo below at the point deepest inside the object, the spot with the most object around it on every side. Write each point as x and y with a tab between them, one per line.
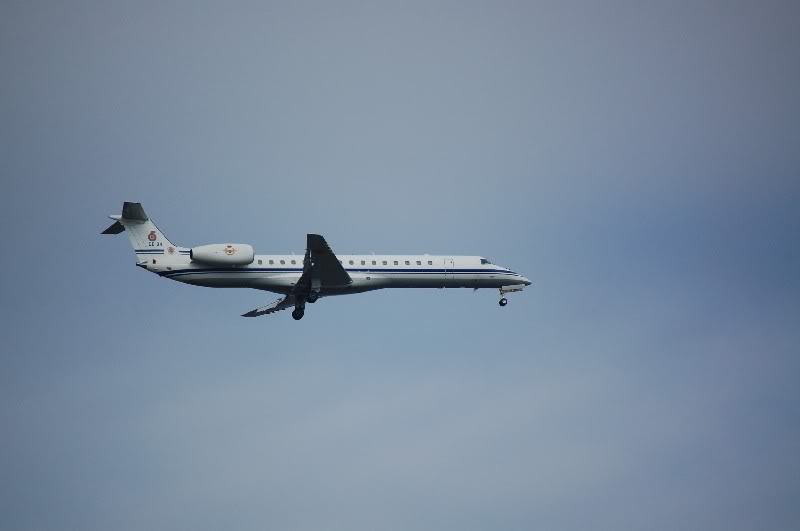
297	314
508	289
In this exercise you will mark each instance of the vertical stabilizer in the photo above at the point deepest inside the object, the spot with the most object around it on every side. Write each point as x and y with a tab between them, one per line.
143	234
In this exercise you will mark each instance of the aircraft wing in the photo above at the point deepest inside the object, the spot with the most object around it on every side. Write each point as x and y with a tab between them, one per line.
280	304
321	268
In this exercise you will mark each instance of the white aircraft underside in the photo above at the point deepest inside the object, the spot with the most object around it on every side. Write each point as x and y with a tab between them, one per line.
319	273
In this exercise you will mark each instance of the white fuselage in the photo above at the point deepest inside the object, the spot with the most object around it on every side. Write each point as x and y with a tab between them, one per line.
280	273
319	272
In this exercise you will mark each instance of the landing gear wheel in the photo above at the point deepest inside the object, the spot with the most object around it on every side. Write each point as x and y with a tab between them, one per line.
312	296
503	301
297	314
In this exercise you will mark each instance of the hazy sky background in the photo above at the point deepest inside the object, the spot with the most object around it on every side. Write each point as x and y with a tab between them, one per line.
638	161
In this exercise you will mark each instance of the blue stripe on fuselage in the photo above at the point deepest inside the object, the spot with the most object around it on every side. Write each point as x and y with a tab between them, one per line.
374	271
156	251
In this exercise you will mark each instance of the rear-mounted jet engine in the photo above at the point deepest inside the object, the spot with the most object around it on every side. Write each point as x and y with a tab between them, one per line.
224	254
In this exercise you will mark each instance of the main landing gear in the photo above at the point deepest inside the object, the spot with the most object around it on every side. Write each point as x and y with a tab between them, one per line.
299	308
300	303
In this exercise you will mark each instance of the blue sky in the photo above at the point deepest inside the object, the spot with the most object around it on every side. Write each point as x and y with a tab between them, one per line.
637	161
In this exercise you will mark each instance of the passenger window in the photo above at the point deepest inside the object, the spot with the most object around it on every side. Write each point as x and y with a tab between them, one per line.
430	262
351	262
283	261
419	263
395	262
293	262
374	262
259	262
384	262
271	262
363	262
408	263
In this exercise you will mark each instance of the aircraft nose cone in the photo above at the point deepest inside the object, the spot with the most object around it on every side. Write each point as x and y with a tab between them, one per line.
526	281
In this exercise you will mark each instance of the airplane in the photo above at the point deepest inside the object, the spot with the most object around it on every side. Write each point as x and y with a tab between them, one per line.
320	273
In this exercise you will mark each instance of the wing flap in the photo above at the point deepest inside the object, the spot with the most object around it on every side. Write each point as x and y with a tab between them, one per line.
281	304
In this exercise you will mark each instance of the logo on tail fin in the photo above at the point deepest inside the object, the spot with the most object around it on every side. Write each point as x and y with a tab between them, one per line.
152	236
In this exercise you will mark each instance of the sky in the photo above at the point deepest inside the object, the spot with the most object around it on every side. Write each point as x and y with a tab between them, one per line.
638	161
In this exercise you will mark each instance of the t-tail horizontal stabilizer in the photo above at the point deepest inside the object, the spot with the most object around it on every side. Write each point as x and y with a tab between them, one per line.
115	228
131	212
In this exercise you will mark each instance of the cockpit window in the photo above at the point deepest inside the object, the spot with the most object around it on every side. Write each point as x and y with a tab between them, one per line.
484	261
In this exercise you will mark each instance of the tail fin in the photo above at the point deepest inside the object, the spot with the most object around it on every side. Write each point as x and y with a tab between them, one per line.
143	234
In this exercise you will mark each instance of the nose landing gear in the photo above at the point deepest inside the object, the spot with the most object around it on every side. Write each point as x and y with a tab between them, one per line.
508	289
312	296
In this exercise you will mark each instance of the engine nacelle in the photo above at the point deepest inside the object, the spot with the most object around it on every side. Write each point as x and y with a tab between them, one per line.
224	254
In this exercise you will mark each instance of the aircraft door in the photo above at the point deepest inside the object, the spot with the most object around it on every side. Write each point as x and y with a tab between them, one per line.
449	266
